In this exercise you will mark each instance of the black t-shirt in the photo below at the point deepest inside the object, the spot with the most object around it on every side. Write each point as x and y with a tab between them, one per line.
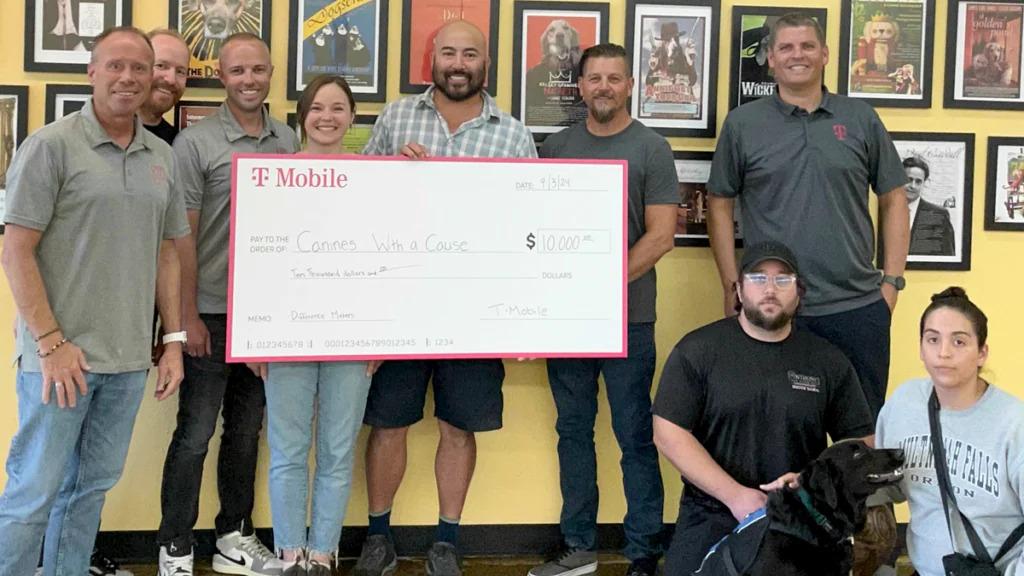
164	131
761	409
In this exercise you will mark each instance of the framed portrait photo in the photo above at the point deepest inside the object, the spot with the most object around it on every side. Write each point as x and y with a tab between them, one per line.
1004	184
674	47
205	24
750	76
59	34
886	52
63	99
693	169
188	112
984	54
355	139
940	183
421	19
348	38
548	40
13	130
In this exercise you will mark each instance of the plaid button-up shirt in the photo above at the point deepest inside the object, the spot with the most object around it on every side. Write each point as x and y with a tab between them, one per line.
492	134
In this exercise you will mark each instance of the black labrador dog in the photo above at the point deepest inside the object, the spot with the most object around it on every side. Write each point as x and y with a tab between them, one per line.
806	531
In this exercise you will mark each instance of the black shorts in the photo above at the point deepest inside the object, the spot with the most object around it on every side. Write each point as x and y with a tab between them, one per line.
467	393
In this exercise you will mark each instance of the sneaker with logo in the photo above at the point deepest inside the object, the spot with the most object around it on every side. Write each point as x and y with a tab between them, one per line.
101	565
571	562
170	565
443	560
245	555
377	558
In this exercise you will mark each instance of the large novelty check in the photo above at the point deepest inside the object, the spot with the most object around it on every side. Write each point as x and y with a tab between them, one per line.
360	257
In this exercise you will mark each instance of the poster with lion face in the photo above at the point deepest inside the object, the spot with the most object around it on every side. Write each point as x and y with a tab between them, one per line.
205	24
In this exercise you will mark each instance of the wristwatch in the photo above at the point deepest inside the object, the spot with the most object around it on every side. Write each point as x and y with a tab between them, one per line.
175	337
897	282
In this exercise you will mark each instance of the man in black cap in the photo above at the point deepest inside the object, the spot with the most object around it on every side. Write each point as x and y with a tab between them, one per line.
745	401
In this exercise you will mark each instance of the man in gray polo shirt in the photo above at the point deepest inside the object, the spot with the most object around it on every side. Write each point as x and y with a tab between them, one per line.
92	206
801	162
203	152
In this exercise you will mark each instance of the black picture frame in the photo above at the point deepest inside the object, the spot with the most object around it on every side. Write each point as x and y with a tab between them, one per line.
204	48
693	170
407	86
13	131
982	77
740	38
62	99
41	53
946	199
674	83
1004	184
899	79
521	105
371	87
363	123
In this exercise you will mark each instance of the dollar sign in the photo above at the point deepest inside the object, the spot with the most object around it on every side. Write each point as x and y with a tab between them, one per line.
529	241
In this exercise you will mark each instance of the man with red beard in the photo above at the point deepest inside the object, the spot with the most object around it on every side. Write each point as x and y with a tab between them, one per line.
170	70
745	401
454	117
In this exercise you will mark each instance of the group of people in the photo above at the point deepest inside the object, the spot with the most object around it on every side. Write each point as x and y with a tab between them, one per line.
110	213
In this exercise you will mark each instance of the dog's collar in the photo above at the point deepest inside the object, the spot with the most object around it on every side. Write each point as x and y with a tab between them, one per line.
820	519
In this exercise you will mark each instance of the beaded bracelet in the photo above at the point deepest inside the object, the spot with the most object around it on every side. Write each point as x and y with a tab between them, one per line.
52	349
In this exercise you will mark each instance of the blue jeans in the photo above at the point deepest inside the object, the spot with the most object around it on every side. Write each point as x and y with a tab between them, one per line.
61	464
336	391
628	383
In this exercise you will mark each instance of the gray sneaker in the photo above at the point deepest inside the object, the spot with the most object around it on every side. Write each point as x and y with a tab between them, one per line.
572	562
378	557
443	560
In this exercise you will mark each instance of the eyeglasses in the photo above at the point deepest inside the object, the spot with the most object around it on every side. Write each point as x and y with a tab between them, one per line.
781	281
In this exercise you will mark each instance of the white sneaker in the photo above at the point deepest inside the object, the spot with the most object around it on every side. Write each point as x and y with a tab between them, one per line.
174	565
245	555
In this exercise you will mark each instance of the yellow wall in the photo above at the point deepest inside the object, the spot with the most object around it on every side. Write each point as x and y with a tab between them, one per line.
517	474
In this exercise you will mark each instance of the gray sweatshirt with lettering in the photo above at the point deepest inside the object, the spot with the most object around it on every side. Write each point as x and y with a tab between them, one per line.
985	455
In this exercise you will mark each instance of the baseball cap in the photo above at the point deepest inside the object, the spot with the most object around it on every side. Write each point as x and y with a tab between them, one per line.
770	250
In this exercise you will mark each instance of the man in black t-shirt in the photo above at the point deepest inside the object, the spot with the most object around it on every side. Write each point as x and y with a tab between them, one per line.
745	400
170	70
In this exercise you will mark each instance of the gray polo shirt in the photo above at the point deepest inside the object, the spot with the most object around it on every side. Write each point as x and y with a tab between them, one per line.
652	180
802	179
203	152
102	211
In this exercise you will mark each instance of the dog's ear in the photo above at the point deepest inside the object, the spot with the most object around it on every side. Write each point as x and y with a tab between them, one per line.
544	43
574	40
818	481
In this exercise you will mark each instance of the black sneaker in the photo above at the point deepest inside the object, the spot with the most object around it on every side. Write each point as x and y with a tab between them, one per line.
443	560
643	567
378	557
100	565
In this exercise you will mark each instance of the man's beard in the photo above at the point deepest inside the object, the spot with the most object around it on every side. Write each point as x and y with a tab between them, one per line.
604	115
160	108
754	315
474	84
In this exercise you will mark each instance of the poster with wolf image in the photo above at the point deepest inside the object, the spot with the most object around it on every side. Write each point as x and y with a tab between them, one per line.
549	39
992	50
205	24
343	37
674	49
885	49
751	76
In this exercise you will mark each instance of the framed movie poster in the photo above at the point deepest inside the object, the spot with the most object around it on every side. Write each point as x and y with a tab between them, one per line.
886	52
1004	184
984	55
428	17
674	46
548	41
205	24
188	112
940	183
750	77
355	139
13	129
63	99
693	170
59	34
344	37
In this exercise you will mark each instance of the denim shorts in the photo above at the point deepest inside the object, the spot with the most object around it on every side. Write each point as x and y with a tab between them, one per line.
467	393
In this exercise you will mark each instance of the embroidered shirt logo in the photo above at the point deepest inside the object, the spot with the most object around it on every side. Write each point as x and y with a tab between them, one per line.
804	383
159	174
840	131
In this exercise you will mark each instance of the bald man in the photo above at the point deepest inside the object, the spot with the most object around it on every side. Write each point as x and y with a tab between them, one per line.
203	156
454	117
84	276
